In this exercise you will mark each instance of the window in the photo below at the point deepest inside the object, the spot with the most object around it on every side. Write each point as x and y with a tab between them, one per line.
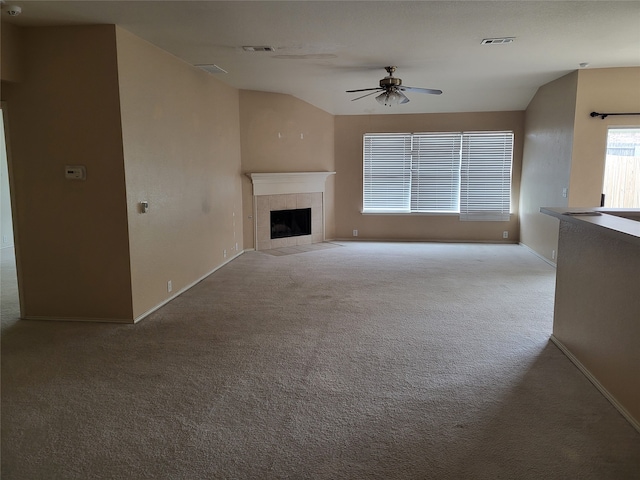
465	173
387	173
621	188
435	185
486	176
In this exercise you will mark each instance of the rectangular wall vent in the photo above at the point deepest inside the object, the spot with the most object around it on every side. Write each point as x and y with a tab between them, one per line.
258	49
211	69
497	41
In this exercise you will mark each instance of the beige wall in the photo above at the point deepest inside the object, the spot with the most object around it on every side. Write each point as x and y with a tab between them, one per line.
100	97
546	165
348	146
181	139
74	255
597	308
280	133
600	90
11	64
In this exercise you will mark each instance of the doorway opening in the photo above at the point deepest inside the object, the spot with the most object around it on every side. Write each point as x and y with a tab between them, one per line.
9	292
621	187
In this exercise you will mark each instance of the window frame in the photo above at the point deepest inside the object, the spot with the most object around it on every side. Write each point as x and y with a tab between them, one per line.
453	162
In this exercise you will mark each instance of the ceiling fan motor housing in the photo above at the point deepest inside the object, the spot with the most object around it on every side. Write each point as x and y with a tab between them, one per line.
388	82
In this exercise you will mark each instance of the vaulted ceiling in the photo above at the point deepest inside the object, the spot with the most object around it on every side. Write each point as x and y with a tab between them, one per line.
322	48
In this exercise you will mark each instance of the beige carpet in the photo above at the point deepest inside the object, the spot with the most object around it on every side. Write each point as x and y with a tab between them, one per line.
372	360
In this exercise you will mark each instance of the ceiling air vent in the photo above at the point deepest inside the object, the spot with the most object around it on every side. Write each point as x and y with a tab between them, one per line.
258	49
497	41
211	68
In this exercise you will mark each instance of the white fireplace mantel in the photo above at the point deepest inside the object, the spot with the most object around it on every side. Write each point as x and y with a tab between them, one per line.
288	182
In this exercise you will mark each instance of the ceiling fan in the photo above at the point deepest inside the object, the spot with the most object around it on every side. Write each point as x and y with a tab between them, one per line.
392	89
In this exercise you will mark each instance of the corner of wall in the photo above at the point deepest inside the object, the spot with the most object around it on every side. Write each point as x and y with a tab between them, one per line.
601	90
281	133
547	159
181	143
72	236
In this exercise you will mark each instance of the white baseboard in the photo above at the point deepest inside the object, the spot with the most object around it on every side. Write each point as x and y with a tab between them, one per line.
422	240
181	291
623	411
545	259
77	319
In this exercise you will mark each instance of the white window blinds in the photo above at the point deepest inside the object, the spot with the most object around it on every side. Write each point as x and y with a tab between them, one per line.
485	176
387	173
467	173
435	174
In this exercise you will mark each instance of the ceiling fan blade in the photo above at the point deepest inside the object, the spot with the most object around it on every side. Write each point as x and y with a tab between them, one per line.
421	90
364	90
368	94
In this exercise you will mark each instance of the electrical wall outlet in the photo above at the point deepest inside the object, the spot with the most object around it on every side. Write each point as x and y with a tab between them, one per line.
553	254
75	172
169	286
505	234
224	253
355	233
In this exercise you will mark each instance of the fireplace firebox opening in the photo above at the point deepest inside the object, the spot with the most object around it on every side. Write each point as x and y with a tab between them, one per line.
290	223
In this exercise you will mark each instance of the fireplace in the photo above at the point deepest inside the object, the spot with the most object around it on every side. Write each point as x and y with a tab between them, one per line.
290	223
274	193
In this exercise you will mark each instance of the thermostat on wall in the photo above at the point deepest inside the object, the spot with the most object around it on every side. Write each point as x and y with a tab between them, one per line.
75	172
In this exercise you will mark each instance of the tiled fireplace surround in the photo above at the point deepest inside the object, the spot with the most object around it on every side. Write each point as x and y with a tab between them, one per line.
287	191
266	203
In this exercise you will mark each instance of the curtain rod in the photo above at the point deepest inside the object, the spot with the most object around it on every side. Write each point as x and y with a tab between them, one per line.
605	115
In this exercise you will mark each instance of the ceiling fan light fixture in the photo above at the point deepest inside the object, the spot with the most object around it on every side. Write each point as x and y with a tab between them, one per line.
392	97
403	97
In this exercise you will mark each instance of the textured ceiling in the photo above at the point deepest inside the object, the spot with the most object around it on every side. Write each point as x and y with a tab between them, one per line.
323	48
